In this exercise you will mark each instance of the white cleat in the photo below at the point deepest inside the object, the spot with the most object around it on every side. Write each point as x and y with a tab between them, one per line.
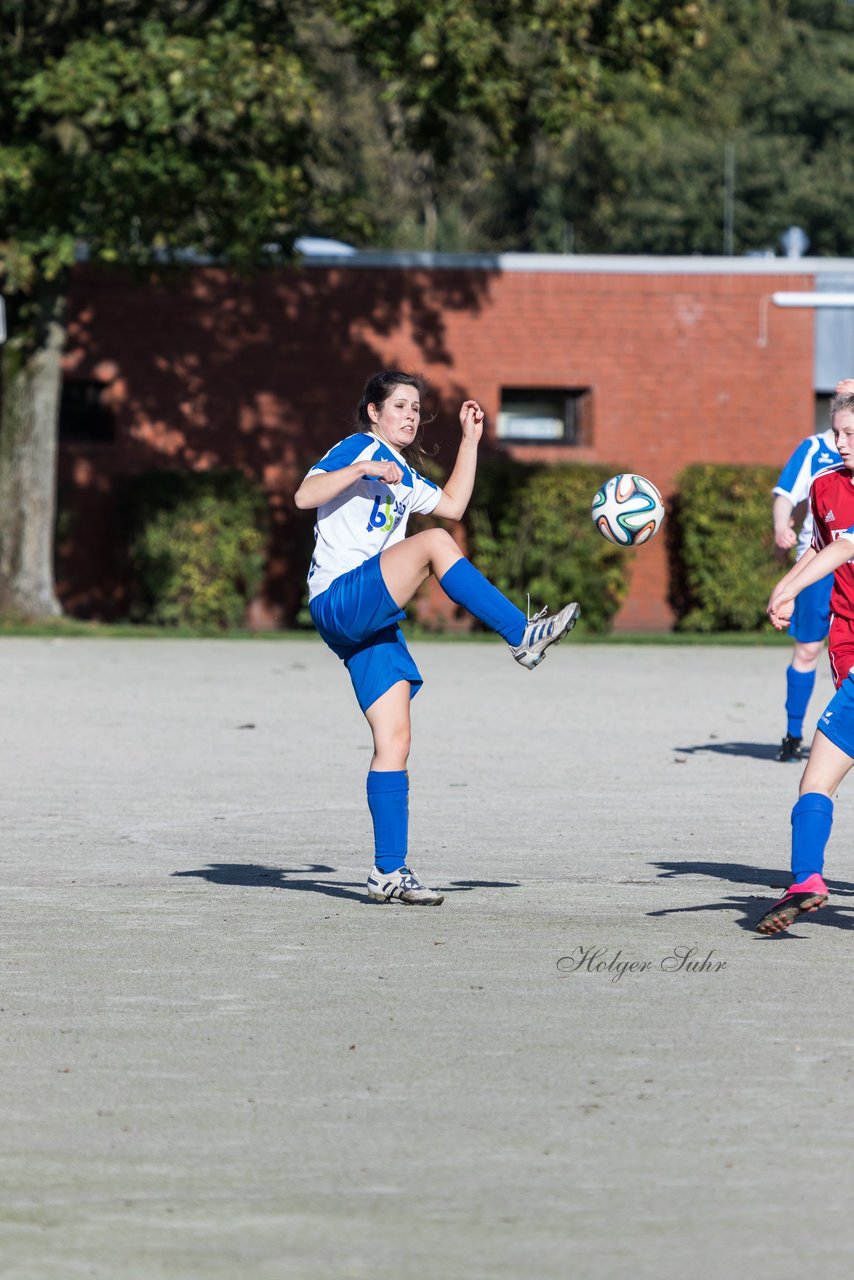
404	885
542	631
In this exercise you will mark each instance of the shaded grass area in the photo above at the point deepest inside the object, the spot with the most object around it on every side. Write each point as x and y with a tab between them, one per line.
70	627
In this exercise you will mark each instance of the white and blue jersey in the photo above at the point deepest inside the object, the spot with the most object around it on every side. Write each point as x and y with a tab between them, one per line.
814	454
369	516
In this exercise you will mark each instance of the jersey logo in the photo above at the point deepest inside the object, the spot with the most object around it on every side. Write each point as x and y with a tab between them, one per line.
830	516
826	457
386	513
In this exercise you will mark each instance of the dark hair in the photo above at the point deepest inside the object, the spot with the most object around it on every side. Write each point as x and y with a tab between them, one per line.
377	390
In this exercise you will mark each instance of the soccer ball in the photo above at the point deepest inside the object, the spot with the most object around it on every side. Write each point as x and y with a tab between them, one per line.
627	510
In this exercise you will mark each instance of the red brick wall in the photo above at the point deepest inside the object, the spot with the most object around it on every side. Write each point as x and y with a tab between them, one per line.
264	374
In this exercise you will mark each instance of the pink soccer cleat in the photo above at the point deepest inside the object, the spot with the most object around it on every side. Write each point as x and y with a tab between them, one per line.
808	895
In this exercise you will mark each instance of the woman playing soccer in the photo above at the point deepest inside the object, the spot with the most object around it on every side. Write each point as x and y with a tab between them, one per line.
364	571
832	752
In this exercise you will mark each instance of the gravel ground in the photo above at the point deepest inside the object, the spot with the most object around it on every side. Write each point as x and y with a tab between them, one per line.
220	1060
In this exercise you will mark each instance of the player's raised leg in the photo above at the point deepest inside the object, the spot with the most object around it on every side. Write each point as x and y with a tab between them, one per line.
388	800
407	564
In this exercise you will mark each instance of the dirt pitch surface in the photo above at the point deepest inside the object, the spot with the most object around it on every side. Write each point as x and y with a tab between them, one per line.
220	1060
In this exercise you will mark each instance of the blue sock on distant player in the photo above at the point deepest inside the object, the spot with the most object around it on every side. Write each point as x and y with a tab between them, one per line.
812	818
799	687
467	586
388	801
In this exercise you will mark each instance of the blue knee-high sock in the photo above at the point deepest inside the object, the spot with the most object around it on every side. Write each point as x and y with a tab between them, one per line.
388	801
468	587
812	818
799	687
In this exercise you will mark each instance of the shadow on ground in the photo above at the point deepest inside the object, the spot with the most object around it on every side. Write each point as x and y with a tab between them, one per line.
753	906
306	879
755	750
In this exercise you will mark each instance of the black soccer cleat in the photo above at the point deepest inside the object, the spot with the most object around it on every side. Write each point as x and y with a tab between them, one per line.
791	748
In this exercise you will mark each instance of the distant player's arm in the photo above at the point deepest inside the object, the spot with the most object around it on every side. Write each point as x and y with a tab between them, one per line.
784	525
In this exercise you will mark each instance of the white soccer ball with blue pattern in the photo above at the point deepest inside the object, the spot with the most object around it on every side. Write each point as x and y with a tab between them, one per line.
627	510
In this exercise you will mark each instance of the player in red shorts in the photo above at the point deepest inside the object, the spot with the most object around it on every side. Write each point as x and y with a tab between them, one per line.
832	752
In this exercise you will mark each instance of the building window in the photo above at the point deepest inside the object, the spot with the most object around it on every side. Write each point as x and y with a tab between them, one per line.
822	413
544	416
85	415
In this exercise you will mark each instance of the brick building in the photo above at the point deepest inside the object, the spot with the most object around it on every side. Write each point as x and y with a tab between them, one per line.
646	364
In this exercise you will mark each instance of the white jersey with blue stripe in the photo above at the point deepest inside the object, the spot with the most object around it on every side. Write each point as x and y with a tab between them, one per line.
813	455
369	516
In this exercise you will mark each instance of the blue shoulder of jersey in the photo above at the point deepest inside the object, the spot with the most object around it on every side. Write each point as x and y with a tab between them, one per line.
824	458
789	475
347	451
343	453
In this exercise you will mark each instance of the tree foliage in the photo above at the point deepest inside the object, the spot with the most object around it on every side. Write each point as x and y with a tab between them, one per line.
721	546
196	547
210	125
586	147
469	87
498	60
773	83
137	128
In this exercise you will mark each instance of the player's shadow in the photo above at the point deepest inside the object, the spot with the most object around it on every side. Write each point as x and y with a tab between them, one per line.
752	909
755	750
308	880
740	873
753	906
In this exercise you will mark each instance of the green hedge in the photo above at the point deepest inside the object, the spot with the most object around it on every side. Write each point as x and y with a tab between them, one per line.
721	547
197	543
530	530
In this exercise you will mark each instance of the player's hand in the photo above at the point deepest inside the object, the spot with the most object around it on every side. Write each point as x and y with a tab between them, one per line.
780	620
781	606
379	469
845	387
471	420
785	539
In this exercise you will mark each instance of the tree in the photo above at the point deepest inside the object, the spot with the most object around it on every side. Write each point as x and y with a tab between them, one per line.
774	82
130	129
469	86
142	131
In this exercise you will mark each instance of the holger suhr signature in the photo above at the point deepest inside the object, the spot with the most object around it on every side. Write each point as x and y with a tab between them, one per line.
680	959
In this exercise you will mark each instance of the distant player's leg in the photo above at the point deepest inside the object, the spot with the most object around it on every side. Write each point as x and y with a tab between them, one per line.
388	801
808	628
409	563
800	682
831	757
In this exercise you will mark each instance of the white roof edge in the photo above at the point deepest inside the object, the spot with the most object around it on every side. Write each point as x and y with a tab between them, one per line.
615	264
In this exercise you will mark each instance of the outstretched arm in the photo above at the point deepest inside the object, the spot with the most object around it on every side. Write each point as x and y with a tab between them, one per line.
812	567
457	492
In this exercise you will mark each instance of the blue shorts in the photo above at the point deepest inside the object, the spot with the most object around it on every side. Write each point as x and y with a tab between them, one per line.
811	616
837	720
358	619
